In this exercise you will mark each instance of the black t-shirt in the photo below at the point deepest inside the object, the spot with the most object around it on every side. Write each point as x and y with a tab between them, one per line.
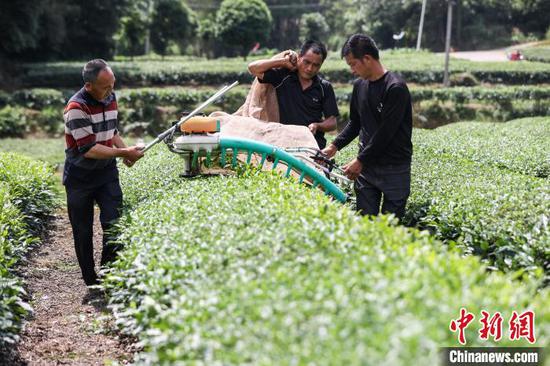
381	114
302	107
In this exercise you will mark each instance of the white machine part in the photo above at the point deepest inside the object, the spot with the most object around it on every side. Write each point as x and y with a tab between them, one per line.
196	143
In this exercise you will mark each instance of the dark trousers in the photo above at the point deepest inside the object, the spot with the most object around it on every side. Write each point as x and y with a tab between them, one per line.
80	205
389	184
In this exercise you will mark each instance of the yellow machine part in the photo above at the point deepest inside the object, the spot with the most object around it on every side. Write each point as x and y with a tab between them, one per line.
200	124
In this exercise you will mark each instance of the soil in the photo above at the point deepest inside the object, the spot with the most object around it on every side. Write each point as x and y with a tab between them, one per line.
71	324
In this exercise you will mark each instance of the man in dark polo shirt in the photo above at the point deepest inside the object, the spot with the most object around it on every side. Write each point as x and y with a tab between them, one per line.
304	98
381	115
90	174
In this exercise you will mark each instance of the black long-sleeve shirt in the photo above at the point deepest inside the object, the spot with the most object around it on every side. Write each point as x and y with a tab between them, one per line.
381	115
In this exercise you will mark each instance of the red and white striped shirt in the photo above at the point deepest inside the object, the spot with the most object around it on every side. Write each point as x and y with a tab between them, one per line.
88	122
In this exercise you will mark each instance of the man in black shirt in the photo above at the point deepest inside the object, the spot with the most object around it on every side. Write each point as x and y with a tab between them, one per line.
304	98
381	115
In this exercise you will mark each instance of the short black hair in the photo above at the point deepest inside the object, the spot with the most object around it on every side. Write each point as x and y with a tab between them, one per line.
92	69
315	46
360	45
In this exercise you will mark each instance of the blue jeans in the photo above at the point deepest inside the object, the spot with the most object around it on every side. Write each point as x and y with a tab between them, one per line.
389	184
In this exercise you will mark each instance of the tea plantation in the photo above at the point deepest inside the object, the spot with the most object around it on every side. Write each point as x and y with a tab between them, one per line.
27	197
257	269
485	186
254	268
151	109
425	69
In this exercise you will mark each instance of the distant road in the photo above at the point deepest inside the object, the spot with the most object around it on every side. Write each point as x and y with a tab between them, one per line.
490	55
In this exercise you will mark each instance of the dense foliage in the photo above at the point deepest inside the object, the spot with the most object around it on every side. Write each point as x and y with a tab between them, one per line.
539	54
54	29
477	24
26	198
485	187
314	26
257	269
434	106
241	23
151	110
172	22
49	150
427	68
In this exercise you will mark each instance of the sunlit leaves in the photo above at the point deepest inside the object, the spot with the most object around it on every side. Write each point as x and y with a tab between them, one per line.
257	269
26	198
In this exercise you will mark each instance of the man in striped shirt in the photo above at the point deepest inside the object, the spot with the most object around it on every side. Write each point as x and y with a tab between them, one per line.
90	174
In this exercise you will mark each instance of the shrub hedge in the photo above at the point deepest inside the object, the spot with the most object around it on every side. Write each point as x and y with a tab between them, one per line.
416	67
485	187
39	98
27	197
521	145
434	107
537	54
41	109
256	269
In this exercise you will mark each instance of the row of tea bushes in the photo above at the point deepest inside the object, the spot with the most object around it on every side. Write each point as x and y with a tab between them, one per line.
416	67
537	54
38	98
27	197
521	145
433	113
461	95
151	110
257	269
434	107
485	187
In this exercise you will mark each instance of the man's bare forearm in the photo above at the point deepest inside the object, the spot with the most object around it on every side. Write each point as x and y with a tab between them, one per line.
117	141
327	125
286	59
99	151
257	68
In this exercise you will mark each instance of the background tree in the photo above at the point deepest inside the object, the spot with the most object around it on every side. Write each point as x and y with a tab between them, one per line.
337	15
134	28
314	26
20	25
286	14
531	16
241	23
90	26
172	21
208	44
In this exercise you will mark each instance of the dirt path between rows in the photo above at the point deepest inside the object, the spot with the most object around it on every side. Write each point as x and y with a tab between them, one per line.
70	324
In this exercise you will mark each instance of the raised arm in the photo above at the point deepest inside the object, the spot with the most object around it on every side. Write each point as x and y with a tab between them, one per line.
286	59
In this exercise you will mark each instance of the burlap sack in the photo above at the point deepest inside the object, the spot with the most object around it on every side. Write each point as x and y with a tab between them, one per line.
258	119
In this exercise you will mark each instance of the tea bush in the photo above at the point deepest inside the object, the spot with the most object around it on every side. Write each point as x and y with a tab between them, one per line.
484	186
49	150
27	197
141	109
30	184
538	54
13	122
416	67
256	269
521	146
14	240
